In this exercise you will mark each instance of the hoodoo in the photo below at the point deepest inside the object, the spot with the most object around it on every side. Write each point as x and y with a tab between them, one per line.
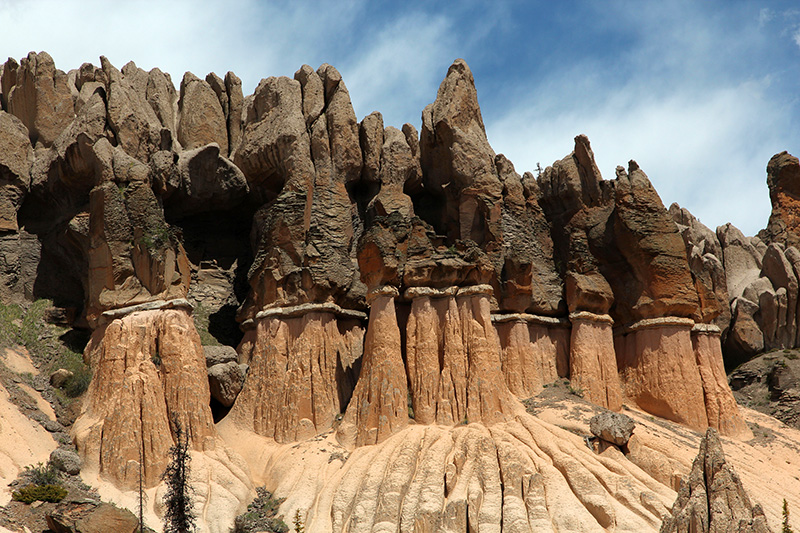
405	308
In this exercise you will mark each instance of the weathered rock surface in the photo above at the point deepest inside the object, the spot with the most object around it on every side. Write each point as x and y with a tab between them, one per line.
483	287
453	358
705	256
225	381
301	374
201	119
76	517
535	351
783	180
713	498
133	258
39	96
615	428
149	369
16	159
66	461
379	405
592	362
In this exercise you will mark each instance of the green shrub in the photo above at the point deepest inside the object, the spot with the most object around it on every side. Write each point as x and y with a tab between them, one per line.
41	474
45	493
262	514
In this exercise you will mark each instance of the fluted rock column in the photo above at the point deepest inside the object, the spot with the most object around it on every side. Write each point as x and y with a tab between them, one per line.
721	409
453	357
301	361
149	369
659	371
592	360
535	351
379	406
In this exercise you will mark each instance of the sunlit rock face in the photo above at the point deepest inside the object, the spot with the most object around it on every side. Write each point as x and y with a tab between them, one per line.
392	295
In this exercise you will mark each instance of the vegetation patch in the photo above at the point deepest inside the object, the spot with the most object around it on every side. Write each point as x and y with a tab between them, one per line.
262	515
45	493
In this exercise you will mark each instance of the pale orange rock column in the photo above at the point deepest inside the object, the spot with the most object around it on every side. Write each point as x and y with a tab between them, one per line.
659	371
149	368
300	359
592	359
721	408
453	356
379	406
535	351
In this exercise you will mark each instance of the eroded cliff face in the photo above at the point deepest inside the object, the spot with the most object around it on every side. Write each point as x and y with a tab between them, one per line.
398	294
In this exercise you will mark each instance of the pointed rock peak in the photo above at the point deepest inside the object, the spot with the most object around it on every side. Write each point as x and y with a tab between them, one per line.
713	498
330	79
457	97
632	166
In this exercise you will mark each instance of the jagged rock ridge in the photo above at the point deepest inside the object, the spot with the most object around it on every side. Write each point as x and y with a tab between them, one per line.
381	277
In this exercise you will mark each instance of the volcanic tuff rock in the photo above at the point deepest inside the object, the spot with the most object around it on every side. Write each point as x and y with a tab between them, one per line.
388	284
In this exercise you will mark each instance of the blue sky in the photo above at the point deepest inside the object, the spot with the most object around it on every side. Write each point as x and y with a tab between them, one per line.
700	94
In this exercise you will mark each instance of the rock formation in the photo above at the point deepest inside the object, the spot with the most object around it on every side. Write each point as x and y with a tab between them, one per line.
713	498
398	293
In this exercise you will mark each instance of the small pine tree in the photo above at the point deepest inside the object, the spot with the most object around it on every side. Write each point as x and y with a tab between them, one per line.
178	515
298	522
786	527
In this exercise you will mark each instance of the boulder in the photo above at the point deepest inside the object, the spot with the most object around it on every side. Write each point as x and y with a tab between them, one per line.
225	381
58	377
712	498
208	182
91	517
615	428
217	355
66	460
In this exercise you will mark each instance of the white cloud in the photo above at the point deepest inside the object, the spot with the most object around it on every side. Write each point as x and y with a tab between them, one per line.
706	150
398	74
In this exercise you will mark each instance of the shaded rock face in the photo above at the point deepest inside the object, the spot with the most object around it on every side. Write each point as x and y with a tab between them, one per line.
713	498
302	160
485	200
704	252
621	251
133	258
